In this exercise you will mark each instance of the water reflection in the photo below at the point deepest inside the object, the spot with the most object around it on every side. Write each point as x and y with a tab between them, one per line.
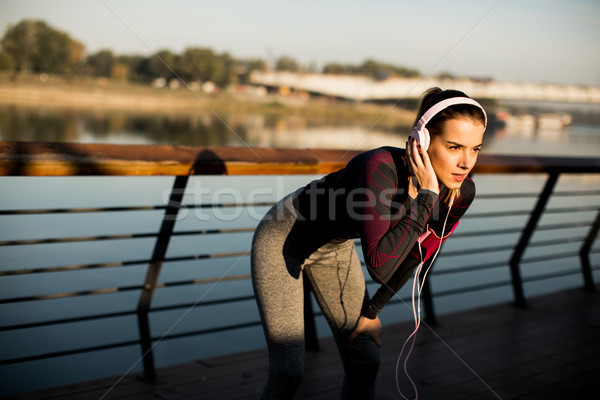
19	123
24	124
29	124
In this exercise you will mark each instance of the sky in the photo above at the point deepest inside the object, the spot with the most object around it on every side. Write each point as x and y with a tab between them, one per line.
556	41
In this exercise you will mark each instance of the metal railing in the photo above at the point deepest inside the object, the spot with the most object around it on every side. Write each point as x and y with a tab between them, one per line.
46	159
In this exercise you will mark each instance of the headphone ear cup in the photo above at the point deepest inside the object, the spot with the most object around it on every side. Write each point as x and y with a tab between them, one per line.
425	139
415	135
421	136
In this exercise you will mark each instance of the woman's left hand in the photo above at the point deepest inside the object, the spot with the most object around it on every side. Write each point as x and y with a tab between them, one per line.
370	327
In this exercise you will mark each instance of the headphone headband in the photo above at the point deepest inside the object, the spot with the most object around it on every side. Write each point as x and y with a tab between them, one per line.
420	132
436	108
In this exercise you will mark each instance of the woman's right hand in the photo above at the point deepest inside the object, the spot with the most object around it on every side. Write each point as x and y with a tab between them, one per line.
421	167
370	327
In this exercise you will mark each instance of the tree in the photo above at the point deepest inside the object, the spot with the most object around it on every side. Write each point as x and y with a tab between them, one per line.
335	68
381	71
161	64
101	63
197	63
407	72
286	63
36	47
20	42
52	53
76	56
6	62
375	69
135	65
245	68
446	75
224	73
120	72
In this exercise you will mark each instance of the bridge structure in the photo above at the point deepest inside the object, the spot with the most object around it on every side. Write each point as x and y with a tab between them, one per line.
364	88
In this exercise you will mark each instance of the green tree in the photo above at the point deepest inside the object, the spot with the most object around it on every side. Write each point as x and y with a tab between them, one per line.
52	53
375	69
246	67
197	63
381	71
20	42
286	63
225	72
34	46
406	72
446	75
136	66
101	63
335	68
6	62
162	64
76	57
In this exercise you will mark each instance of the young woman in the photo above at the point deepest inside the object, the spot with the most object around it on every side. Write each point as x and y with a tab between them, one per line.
396	201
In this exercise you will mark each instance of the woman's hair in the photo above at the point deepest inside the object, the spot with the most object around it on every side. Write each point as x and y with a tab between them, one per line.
458	111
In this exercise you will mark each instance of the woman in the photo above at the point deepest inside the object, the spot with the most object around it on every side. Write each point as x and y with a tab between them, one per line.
392	199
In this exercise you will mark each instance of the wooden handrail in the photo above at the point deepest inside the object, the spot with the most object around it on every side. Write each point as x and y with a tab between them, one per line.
66	159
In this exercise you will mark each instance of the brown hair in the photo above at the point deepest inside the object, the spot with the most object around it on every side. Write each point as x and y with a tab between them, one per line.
458	111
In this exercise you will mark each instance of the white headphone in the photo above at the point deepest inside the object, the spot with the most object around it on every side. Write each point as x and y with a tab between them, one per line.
420	132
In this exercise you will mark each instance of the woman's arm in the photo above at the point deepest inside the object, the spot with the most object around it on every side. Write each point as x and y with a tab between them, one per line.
430	245
388	230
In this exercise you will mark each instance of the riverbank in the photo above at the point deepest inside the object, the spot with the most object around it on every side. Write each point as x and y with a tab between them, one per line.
106	95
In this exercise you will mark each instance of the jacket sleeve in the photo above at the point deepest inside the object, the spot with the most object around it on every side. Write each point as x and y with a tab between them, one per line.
440	232
429	245
388	231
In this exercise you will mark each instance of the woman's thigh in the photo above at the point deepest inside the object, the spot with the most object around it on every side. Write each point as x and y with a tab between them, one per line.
337	280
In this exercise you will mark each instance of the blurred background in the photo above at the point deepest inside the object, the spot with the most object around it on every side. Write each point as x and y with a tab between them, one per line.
307	74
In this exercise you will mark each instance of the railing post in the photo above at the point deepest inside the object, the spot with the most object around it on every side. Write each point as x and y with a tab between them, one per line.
519	250
158	256
311	342
584	255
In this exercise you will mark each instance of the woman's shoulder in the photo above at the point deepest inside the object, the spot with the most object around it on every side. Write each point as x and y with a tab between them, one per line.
385	154
389	151
467	190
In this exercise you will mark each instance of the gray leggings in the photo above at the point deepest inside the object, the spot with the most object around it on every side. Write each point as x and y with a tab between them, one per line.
279	256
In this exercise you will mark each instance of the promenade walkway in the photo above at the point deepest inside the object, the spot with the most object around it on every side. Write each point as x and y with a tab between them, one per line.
549	350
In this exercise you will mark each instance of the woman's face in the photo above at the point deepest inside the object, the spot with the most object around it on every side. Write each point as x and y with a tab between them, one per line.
453	153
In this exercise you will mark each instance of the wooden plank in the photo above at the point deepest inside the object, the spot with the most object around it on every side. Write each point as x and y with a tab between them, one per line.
549	350
497	345
65	159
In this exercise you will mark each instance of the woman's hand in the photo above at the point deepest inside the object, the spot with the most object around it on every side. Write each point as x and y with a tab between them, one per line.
421	166
370	327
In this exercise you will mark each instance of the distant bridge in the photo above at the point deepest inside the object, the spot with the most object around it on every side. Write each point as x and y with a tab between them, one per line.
362	88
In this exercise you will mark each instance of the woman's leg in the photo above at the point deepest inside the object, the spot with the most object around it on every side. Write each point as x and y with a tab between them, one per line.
336	276
278	289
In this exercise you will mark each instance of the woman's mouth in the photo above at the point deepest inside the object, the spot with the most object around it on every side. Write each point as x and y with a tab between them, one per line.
459	177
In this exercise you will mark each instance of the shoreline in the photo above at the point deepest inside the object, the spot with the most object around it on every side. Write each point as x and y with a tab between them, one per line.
109	96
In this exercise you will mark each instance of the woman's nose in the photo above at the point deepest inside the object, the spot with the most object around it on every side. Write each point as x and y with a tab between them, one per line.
466	160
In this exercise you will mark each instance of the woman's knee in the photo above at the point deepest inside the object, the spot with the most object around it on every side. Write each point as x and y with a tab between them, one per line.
361	356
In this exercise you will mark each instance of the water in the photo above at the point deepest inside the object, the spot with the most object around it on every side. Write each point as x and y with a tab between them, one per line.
578	139
581	138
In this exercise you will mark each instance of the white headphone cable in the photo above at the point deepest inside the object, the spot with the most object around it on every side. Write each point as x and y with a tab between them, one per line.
417	308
